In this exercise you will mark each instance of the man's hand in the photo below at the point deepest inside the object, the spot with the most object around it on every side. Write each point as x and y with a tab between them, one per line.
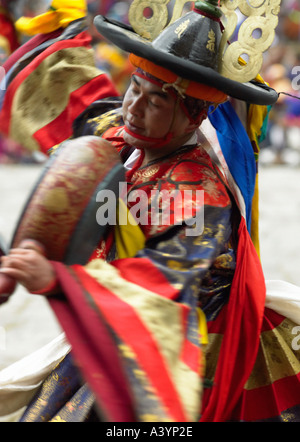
28	267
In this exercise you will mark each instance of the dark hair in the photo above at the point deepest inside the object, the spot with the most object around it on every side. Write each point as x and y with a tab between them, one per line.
194	107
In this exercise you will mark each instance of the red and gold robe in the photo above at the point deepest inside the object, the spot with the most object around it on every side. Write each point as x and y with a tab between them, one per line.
176	329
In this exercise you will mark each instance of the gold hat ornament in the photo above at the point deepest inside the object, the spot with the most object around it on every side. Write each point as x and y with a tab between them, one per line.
195	45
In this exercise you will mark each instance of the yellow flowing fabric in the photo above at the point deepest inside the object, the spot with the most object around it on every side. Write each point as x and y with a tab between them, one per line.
256	117
255	121
60	14
128	235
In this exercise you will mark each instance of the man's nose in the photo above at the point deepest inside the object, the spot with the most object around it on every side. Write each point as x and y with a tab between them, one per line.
136	106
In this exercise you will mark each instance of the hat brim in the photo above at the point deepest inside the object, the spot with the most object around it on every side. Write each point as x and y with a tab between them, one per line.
125	38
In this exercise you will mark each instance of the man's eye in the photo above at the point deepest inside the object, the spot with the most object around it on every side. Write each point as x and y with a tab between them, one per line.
153	103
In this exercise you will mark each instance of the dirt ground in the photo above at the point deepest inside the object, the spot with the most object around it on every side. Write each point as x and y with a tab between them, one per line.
26	321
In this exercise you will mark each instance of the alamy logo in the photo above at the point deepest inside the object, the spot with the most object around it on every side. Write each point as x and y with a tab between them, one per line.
2	79
296	340
296	78
159	208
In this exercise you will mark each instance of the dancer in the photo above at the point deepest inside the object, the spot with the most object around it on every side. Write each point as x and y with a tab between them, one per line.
170	323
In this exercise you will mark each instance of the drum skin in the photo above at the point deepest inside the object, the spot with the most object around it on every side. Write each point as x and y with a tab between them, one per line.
60	213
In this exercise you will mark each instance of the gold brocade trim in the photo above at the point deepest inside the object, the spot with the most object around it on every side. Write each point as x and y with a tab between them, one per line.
37	103
152	308
35	412
49	405
212	350
105	121
147	404
75	404
290	416
189	386
146	173
155	311
276	357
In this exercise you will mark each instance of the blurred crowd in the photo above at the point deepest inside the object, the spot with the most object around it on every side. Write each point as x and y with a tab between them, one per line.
281	69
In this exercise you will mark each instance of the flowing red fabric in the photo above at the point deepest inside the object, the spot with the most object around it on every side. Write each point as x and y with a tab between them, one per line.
241	321
61	128
94	349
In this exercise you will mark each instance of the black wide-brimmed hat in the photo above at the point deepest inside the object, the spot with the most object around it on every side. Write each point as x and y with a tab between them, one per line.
189	47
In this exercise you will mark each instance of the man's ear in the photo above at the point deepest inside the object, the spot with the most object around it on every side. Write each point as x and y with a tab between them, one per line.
194	124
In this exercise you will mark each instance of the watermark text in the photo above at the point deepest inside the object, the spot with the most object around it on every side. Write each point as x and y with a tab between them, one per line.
159	207
2	79
296	340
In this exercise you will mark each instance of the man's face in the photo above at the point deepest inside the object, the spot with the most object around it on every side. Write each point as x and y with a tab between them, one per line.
148	111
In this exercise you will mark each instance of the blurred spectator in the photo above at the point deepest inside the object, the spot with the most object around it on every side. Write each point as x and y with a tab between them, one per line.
8	35
291	19
113	61
281	145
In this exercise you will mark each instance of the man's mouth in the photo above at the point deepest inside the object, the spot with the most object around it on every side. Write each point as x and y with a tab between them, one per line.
133	127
